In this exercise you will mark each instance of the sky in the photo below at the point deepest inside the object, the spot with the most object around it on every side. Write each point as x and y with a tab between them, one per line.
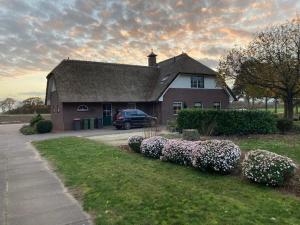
36	35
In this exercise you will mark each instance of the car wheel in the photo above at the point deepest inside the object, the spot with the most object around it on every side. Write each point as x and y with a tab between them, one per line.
118	127
127	126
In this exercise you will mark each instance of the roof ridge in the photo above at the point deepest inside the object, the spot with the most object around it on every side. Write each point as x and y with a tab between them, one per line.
172	58
107	63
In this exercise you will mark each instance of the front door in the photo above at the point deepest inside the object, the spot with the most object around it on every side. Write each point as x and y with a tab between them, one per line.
107	114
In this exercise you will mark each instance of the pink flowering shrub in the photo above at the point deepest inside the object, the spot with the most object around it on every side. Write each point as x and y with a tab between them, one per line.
217	155
180	152
267	168
152	147
134	142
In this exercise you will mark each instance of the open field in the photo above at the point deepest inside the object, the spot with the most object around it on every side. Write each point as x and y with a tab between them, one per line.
18	118
121	187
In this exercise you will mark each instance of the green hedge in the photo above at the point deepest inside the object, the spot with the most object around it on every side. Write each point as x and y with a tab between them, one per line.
227	122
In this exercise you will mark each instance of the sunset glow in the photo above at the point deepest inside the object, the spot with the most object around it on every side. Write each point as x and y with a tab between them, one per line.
36	35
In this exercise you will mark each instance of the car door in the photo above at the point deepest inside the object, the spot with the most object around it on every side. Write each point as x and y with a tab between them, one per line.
141	118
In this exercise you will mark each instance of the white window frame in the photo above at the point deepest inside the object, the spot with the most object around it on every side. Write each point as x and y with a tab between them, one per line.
215	106
197	80
82	108
181	107
198	107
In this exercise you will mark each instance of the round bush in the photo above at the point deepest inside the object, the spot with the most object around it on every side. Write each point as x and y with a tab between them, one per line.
152	147
267	168
134	142
27	130
217	155
44	126
35	119
180	152
284	125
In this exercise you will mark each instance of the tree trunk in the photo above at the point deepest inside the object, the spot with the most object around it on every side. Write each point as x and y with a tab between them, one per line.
289	108
266	103
275	105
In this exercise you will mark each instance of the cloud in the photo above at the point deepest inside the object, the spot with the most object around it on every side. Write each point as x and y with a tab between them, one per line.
36	35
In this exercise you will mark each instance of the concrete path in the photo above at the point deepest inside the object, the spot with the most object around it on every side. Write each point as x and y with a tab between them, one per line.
30	194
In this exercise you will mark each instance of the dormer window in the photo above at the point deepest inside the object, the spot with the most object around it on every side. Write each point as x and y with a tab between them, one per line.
82	108
197	82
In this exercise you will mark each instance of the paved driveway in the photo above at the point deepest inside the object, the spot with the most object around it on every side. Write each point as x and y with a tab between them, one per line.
30	193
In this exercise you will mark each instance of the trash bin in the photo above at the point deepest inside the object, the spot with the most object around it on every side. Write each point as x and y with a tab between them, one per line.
76	124
85	124
99	123
92	123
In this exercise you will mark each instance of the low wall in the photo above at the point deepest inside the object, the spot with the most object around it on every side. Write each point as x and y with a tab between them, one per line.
19	118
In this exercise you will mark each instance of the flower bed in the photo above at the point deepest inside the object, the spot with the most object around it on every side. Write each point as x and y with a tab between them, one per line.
152	147
267	167
217	155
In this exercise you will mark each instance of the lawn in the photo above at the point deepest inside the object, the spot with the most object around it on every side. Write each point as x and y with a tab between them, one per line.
120	187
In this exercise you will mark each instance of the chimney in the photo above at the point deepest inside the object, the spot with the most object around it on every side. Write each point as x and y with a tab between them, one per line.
152	59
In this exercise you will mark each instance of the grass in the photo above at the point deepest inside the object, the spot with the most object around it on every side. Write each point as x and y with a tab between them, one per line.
288	145
120	187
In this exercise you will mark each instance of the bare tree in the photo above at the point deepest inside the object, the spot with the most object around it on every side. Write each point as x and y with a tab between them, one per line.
270	61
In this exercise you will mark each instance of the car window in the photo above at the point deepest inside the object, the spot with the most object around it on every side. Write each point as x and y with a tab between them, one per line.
140	113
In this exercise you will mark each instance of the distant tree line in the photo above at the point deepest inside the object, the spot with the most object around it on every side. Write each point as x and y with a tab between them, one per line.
28	106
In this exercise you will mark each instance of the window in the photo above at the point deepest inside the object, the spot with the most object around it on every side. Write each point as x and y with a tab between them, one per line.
217	105
197	82
198	105
82	108
177	106
140	113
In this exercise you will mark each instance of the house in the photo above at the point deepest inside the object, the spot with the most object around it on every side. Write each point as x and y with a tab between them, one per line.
84	89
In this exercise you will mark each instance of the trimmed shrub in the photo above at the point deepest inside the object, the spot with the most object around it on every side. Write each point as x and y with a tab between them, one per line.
267	168
190	134
152	147
284	125
134	142
27	130
35	119
44	126
180	152
227	122
217	155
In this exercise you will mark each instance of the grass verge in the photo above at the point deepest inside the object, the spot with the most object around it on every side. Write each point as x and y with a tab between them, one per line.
119	187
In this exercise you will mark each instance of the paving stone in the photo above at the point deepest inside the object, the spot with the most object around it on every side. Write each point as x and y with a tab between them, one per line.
30	168
20	183
36	191
21	161
38	205
59	216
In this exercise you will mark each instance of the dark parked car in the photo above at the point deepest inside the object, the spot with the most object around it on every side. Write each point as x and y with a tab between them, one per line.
128	118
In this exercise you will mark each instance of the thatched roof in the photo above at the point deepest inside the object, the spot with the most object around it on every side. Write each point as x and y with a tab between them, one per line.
85	81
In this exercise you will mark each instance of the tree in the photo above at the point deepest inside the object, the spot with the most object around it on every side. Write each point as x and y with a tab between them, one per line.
7	104
33	103
271	61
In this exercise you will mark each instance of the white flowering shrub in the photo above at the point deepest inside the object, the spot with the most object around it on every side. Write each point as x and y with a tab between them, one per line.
267	168
217	155
178	151
134	142
152	147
